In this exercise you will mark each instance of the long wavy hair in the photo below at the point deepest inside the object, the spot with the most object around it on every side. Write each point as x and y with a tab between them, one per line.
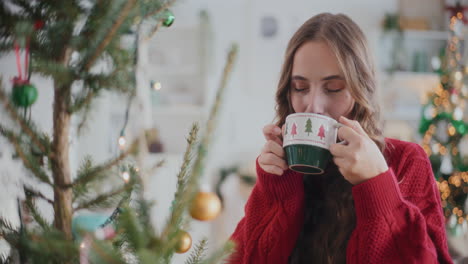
330	215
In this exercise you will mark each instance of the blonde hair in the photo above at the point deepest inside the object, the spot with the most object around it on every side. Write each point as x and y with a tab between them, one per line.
348	43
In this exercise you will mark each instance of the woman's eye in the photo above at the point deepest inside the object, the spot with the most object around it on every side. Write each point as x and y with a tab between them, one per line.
334	86
299	86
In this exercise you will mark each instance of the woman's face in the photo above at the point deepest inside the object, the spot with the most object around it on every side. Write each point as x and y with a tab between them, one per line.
317	82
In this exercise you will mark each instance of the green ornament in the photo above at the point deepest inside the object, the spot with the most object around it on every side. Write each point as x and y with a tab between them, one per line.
460	127
24	95
168	18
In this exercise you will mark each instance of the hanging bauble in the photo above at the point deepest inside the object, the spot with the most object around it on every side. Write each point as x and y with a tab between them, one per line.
460	127
205	206
429	112
435	148
464	91
168	18
446	167
441	131
39	24
24	94
454	96
184	242
458	113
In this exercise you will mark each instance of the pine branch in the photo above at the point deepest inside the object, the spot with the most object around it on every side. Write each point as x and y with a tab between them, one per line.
198	254
111	33
131	230
22	123
34	193
103	252
106	199
4	224
180	201
28	161
47	246
221	254
59	72
212	117
33	210
165	6
190	186
91	173
82	102
153	31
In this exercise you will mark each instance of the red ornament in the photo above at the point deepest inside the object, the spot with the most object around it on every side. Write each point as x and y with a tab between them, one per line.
39	24
458	11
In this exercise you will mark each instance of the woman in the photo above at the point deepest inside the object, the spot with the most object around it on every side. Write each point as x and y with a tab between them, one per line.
376	203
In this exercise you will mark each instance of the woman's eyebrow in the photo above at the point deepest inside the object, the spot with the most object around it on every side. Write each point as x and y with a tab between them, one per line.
327	78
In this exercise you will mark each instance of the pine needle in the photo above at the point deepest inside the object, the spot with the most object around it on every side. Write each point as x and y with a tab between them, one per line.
198	253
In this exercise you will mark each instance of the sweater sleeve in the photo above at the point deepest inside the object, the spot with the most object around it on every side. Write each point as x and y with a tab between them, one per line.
399	222
273	218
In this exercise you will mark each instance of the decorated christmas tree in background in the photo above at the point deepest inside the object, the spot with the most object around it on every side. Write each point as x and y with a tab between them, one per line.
444	129
78	45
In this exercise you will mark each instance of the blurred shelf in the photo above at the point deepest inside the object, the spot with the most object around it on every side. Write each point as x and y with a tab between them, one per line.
408	113
411	74
426	34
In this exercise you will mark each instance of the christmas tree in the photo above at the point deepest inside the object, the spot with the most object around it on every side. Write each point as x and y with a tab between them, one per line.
294	130
308	126
321	132
443	126
68	42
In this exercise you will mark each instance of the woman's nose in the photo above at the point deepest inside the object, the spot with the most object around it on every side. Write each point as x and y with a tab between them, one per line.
315	103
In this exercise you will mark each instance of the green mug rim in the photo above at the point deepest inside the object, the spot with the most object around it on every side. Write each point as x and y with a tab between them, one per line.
322	171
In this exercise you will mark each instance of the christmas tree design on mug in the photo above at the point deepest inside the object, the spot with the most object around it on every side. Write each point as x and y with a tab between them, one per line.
307	139
294	129
321	133
308	127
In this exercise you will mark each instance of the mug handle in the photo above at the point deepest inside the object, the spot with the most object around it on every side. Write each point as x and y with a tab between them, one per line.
343	142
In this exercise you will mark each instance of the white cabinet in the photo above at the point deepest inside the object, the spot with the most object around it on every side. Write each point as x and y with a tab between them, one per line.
177	59
406	61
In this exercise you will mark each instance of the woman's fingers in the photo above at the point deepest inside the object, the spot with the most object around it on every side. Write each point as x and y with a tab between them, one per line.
272	169
273	147
353	124
272	159
273	132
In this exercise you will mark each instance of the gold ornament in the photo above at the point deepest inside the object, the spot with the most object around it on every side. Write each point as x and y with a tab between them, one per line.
206	206
184	243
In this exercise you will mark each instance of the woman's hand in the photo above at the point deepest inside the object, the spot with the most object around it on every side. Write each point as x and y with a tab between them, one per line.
272	158
360	159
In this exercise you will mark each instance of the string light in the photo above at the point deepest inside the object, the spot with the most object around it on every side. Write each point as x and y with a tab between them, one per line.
83	245
126	176
451	130
122	142
443	150
155	85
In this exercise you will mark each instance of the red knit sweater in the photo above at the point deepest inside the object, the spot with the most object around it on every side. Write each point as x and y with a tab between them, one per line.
398	215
